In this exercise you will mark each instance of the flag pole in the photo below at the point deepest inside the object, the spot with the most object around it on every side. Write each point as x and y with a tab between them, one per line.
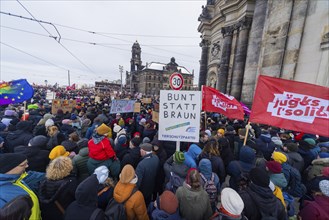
247	133
24	111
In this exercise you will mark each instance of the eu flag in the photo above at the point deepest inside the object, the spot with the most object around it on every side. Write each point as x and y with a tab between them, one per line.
15	91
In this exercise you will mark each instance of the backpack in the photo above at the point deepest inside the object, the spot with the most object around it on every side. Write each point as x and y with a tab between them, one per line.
117	211
210	188
174	182
295	186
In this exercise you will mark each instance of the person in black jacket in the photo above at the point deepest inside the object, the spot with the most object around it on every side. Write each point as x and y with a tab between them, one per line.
21	136
37	157
259	200
85	204
132	155
57	191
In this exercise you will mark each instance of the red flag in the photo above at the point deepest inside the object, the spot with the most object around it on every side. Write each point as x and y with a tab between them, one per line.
215	101
291	105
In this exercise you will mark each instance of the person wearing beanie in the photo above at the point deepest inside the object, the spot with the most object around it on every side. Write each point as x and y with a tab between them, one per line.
121	141
86	200
165	207
132	155
80	160
59	185
259	200
149	130
279	157
21	136
275	172
220	133
306	150
193	200
57	152
175	167
12	171
101	152
36	153
43	124
294	158
315	169
146	171
126	190
318	208
265	144
55	137
231	204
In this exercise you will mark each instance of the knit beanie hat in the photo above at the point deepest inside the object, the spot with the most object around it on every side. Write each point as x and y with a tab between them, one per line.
102	173
136	134
117	128
325	171
127	174
49	122
9	161
168	202
324	187
259	177
274	166
231	202
324	155
38	141
310	141
146	140
146	147
277	141
179	157
221	131
292	147
279	157
103	129
208	132
57	152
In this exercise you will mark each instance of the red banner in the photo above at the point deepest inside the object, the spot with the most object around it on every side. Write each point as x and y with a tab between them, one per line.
215	101
291	105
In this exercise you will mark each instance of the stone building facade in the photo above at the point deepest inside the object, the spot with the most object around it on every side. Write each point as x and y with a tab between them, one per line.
154	76
241	39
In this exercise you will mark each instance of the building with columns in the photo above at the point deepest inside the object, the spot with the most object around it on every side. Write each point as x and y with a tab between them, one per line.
241	39
154	76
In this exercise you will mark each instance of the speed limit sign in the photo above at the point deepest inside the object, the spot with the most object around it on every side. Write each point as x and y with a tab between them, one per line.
176	81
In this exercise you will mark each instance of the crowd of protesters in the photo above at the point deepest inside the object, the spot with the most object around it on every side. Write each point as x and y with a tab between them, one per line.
90	164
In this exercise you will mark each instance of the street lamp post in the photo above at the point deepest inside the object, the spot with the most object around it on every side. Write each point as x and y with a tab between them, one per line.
121	71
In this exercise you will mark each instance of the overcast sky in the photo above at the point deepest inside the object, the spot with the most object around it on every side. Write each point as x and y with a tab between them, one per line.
118	24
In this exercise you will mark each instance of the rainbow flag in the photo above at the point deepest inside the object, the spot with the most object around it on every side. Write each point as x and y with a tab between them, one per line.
15	91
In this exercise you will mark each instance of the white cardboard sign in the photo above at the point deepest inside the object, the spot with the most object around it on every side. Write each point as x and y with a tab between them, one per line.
179	115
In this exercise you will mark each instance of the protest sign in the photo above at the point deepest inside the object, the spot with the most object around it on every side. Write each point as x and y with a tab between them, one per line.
122	106
147	100
137	107
291	105
155	116
179	116
50	95
65	105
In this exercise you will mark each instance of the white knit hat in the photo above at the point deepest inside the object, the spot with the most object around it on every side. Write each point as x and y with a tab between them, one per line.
49	123
116	128
324	187
231	201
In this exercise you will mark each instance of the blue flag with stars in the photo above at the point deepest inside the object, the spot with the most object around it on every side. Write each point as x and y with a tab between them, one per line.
15	91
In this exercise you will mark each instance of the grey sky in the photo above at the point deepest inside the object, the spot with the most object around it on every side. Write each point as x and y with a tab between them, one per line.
135	18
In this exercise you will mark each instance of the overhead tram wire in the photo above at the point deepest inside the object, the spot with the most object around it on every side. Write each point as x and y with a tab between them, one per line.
80	61
89	43
106	35
33	56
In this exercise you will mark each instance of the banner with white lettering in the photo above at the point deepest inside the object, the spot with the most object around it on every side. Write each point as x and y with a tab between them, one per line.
122	106
179	115
215	101
291	105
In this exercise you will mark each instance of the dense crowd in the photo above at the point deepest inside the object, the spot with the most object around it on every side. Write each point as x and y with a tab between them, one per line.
90	164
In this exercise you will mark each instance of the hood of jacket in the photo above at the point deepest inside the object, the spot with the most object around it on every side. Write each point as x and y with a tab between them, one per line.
97	138
8	178
194	151
247	155
205	168
24	126
265	138
263	197
122	191
321	161
83	152
159	214
86	192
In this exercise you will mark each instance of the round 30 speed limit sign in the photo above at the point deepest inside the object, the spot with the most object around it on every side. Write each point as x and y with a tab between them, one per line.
176	81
